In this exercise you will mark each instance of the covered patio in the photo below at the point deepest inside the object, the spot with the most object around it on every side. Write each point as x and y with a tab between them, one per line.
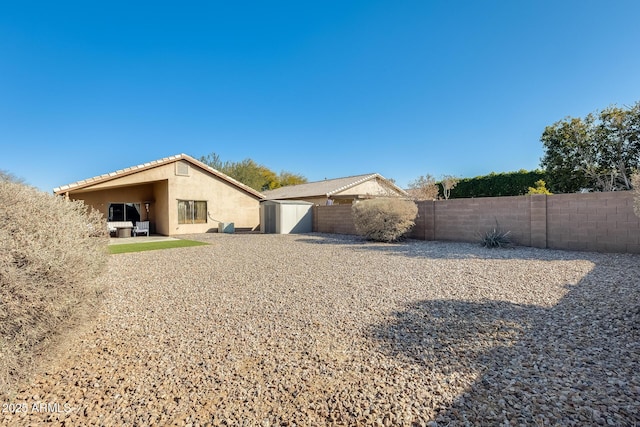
176	195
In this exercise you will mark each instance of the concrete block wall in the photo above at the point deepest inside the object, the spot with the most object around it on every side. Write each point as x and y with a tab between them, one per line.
333	219
538	220
424	228
603	222
468	219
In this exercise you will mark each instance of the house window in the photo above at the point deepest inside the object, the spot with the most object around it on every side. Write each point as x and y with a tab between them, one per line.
124	212
192	212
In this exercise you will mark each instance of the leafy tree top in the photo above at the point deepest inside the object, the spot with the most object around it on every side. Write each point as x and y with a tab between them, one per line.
252	174
599	151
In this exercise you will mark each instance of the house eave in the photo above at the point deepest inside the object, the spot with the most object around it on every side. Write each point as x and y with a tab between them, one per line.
86	184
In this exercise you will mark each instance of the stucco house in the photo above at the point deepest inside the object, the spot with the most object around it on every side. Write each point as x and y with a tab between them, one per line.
339	190
177	194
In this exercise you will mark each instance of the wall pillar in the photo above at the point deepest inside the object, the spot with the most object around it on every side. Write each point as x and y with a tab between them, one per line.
538	220
314	219
430	220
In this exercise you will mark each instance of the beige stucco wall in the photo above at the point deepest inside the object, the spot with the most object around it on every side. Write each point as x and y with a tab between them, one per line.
225	202
159	209
163	187
372	187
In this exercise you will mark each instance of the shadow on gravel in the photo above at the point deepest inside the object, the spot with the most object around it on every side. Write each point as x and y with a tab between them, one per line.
577	363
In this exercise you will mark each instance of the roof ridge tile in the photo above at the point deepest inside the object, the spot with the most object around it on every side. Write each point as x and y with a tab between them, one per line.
154	163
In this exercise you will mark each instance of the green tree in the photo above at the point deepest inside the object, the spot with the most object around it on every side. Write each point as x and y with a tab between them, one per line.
599	151
289	178
252	174
249	173
270	179
618	137
213	160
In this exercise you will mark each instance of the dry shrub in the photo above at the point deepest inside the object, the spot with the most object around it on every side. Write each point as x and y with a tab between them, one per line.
424	188
384	220
51	251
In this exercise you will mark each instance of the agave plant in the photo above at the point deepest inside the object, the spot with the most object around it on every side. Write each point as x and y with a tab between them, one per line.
496	238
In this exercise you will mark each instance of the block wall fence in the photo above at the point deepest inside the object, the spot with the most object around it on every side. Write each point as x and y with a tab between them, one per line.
602	222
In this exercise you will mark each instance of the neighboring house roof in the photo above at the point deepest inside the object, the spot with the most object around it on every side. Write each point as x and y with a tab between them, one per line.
139	168
326	188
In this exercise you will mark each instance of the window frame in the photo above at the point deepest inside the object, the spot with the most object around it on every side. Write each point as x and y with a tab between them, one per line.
195	212
135	205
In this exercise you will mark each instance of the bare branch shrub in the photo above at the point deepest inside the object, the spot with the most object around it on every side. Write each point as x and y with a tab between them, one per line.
8	176
423	188
448	183
51	251
384	220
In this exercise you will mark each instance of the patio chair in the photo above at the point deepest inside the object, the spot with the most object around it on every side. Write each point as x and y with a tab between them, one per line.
111	227
141	227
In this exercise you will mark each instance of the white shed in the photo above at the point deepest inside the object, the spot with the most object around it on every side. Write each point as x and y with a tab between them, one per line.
286	216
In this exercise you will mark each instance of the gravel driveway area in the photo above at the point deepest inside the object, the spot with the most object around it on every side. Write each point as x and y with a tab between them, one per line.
321	330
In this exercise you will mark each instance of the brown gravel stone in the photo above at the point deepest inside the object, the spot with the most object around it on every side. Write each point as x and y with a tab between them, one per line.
330	330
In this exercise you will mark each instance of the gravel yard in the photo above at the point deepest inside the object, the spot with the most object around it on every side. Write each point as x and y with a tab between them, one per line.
331	330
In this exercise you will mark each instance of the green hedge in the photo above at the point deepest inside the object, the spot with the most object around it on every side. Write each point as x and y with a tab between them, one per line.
497	184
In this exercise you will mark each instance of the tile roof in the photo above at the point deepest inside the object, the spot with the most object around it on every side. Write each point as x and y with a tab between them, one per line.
134	169
323	188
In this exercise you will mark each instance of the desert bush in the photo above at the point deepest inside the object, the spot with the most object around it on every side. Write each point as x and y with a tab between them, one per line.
384	220
496	238
423	188
51	251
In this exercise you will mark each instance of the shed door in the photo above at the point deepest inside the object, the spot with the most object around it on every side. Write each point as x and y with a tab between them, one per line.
269	218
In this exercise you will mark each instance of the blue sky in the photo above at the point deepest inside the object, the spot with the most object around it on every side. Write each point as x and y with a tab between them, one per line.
325	89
